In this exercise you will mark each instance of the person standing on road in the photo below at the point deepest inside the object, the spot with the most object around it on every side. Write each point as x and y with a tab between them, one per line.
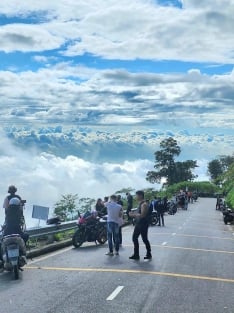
114	212
141	227
130	204
160	208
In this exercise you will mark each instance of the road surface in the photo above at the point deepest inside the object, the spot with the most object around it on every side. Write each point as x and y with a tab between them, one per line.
192	271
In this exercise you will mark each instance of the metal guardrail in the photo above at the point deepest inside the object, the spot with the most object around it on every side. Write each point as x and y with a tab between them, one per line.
51	229
47	230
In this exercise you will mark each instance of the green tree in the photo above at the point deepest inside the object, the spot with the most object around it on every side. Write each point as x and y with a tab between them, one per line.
218	166
166	166
66	207
215	169
228	186
85	204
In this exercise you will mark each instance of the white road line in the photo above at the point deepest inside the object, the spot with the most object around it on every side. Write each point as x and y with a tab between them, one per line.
173	234
164	243
115	293
50	255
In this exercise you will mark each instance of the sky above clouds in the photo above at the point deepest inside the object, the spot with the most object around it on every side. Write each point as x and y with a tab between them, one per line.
105	81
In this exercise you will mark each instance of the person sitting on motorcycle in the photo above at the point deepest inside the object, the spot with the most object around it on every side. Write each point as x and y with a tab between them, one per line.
12	194
14	219
13	223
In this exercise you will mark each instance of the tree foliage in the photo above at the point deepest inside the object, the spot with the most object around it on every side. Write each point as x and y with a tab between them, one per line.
219	166
70	204
66	207
166	167
228	185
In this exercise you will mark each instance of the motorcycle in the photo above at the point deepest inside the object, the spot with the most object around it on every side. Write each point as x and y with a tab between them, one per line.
13	254
171	207
90	228
228	216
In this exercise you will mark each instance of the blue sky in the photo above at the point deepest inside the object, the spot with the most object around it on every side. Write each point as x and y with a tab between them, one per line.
105	82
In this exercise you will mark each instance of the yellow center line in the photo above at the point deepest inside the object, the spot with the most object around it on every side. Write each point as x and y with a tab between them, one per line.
185	248
129	271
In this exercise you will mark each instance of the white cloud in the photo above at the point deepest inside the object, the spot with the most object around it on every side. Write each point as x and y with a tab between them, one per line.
41	178
23	37
116	30
66	93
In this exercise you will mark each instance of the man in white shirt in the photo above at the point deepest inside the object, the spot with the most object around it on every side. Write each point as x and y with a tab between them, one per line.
114	212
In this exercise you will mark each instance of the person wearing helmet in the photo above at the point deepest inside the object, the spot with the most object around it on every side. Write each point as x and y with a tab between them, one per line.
14	217
14	220
12	194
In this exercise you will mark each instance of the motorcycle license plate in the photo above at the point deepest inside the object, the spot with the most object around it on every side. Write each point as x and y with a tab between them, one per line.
13	253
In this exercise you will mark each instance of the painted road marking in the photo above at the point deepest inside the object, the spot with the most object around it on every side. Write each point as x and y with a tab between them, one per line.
184	248
164	243
129	271
188	235
50	255
115	293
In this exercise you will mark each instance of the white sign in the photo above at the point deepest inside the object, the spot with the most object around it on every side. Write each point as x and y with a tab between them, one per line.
40	212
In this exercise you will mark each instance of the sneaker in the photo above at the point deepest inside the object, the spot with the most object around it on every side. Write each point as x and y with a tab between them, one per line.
110	253
134	257
148	257
117	253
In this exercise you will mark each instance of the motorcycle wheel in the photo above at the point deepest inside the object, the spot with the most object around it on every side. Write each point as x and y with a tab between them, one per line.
16	272
225	220
102	237
154	220
77	239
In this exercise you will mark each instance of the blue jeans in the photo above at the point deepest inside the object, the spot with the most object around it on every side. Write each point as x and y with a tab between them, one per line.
113	234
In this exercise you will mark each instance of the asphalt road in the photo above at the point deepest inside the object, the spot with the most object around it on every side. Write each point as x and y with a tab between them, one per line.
192	271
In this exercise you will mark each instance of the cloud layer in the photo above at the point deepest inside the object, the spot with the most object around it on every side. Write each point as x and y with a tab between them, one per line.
42	178
74	94
141	29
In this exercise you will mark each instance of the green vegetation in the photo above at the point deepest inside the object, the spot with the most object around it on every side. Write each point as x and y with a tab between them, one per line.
167	168
221	171
228	186
203	188
219	166
67	208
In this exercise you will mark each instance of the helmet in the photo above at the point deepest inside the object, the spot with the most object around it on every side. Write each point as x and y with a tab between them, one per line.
14	201
12	189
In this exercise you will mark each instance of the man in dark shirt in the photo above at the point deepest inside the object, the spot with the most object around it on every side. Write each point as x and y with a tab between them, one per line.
141	227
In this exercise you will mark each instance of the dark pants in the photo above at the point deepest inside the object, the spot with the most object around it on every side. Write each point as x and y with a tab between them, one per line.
141	229
120	236
161	217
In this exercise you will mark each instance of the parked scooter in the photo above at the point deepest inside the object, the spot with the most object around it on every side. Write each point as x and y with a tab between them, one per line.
228	216
13	254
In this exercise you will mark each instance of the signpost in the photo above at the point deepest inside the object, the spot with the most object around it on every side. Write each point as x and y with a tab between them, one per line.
40	213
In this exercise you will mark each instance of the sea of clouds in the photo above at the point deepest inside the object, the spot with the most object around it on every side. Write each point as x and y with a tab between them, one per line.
42	177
